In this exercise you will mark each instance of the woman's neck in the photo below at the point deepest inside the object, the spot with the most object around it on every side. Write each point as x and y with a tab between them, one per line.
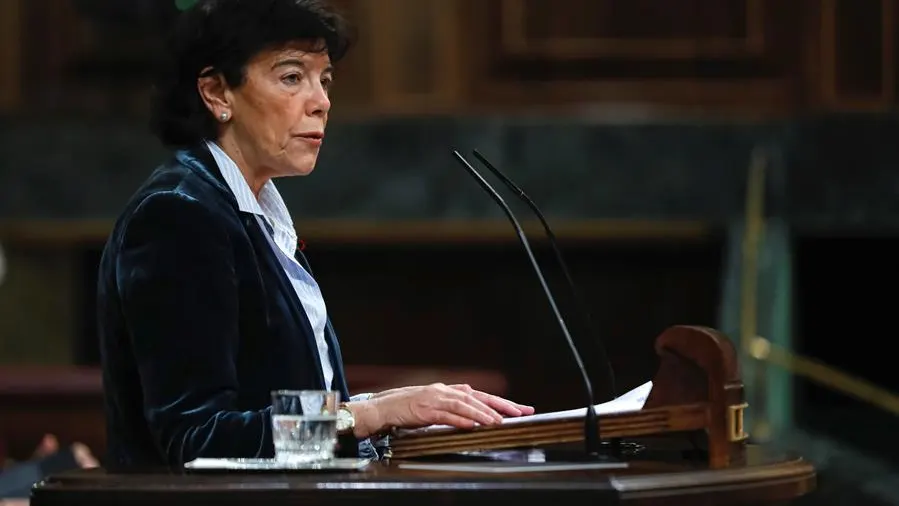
255	178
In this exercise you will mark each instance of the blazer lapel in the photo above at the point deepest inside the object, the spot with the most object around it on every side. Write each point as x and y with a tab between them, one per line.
337	361
331	337
261	245
201	160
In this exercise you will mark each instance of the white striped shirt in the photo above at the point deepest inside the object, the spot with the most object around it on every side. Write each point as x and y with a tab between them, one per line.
273	216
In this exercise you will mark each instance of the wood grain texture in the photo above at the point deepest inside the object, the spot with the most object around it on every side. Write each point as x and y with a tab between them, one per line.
91	232
749	57
667	479
696	387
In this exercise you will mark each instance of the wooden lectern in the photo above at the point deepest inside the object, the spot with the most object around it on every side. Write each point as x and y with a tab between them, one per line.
697	391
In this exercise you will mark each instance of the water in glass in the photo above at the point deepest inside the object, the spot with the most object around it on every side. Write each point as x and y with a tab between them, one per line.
304	437
304	425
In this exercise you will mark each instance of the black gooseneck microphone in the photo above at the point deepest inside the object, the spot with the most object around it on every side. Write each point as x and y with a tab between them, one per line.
579	300
592	440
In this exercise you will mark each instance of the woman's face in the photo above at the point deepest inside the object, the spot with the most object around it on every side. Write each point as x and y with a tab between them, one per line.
276	118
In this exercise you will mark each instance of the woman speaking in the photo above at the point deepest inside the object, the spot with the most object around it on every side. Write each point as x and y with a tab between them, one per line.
205	305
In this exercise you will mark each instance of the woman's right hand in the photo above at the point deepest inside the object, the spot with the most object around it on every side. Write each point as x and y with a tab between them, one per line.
420	406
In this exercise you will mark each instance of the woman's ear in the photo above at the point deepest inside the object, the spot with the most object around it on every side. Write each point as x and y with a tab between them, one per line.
213	91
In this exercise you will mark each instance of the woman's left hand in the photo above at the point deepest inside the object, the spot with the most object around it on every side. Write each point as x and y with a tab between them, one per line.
502	406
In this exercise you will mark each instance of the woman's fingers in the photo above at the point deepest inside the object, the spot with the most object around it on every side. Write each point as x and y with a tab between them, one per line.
497	403
464	404
504	406
511	407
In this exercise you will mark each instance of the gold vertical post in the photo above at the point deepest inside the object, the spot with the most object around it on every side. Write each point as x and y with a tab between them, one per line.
752	237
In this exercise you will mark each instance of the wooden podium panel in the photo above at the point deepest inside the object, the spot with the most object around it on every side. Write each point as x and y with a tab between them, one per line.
696	398
696	391
661	480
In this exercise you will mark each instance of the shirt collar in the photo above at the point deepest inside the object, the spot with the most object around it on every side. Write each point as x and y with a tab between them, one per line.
246	201
269	205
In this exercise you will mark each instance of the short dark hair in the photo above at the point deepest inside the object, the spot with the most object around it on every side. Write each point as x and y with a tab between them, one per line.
225	35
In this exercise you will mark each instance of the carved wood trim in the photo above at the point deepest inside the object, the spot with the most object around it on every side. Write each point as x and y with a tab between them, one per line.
752	98
10	54
888	58
78	232
386	53
831	95
516	43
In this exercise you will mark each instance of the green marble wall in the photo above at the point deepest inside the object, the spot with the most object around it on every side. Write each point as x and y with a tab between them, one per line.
37	306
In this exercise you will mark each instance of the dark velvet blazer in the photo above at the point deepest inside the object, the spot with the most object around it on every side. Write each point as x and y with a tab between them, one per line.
198	323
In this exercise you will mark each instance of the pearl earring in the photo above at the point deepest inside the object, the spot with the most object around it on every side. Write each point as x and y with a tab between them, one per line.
224	116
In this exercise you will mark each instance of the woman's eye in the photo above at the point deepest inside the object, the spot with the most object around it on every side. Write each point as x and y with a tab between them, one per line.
326	83
291	79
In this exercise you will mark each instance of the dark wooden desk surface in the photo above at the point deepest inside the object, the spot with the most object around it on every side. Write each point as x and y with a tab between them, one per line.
765	478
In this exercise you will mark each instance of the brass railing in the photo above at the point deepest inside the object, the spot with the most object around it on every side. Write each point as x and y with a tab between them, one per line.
763	351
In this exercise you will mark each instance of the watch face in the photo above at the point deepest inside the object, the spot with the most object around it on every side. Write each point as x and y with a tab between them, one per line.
345	420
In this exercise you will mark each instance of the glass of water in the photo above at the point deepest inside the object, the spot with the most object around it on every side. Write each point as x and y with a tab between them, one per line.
304	425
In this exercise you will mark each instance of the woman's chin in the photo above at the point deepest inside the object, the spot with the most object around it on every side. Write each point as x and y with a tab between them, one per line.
299	168
304	171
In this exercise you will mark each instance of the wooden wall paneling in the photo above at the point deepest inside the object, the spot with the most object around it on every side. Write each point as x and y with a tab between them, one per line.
858	54
811	61
75	234
716	28
354	74
715	54
54	33
414	52
752	57
10	54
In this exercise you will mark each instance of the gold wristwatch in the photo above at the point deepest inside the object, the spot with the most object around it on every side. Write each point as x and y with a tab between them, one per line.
346	422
